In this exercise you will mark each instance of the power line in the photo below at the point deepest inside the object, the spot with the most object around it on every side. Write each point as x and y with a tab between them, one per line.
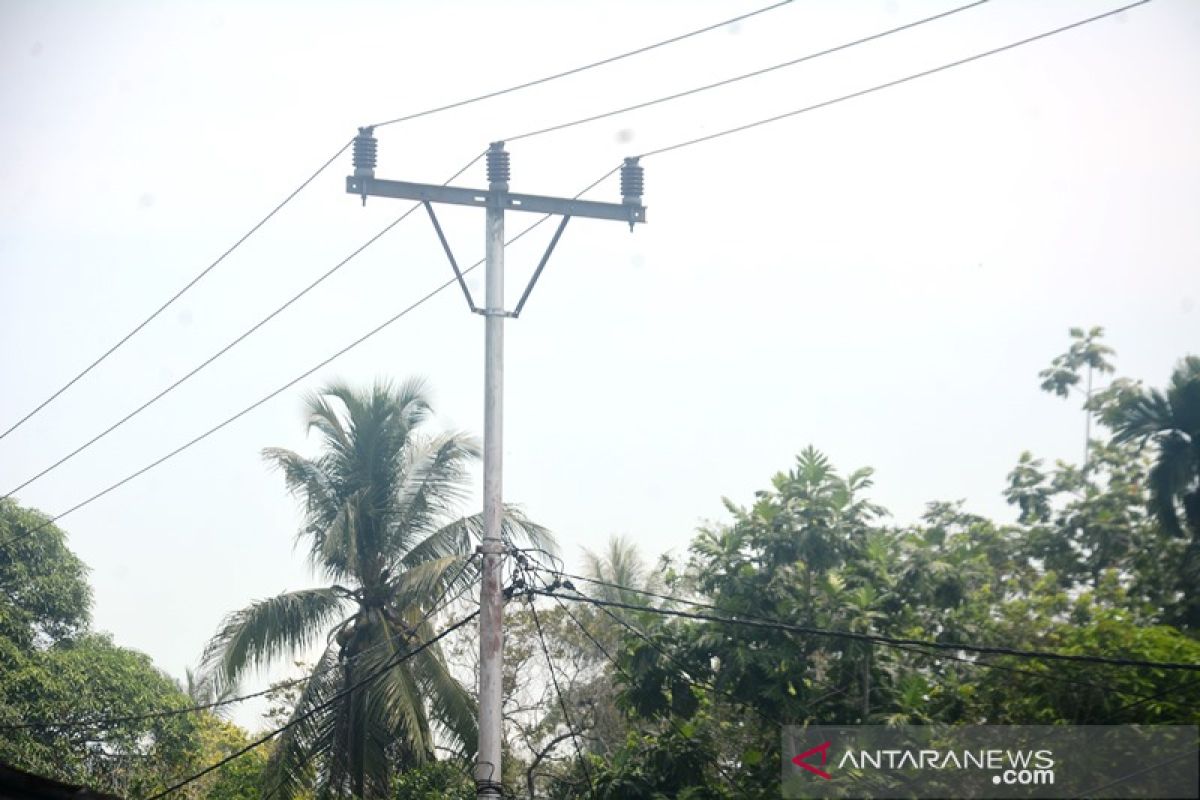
428	112
562	704
888	641
228	421
745	76
617	664
940	656
236	341
585	67
559	574
241	337
661	150
1092	792
1107	688
178	294
174	712
320	707
560	126
912	649
890	84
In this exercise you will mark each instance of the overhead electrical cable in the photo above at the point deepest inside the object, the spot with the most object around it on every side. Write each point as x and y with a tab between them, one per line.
315	709
230	420
658	151
585	67
560	575
428	112
906	79
98	722
889	641
235	341
178	294
747	75
562	703
245	334
684	669
625	673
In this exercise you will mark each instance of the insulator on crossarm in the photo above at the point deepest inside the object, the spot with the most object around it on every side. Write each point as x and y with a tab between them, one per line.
365	150
498	167
632	184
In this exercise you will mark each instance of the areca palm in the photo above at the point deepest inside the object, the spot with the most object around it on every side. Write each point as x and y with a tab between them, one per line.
1172	420
380	525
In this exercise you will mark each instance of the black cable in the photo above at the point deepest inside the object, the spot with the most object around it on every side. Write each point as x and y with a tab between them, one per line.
911	649
617	665
178	294
914	649
1094	791
196	440
656	595
1090	793
887	641
558	574
585	67
236	341
745	76
897	82
918	651
684	670
108	721
320	707
562	703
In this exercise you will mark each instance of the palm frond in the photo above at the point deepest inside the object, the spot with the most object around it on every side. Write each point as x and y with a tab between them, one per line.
462	533
434	481
421	584
308	481
1141	416
304	745
452	707
260	633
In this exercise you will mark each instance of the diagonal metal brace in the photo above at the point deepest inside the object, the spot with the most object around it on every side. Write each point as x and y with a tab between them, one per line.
454	264
541	265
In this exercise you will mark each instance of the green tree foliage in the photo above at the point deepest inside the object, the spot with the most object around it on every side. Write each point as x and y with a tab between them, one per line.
1086	354
380	525
54	668
45	595
1093	565
436	780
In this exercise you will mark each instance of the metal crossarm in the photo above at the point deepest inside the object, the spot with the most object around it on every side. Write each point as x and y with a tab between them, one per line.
509	201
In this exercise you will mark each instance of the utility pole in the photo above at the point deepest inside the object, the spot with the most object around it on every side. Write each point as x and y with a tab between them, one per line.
496	200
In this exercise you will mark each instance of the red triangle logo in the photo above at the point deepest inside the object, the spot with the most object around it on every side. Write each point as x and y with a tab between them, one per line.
823	749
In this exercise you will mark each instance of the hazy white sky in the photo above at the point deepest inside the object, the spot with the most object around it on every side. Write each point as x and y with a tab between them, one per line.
882	278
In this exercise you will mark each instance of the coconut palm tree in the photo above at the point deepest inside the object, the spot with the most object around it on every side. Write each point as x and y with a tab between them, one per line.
202	691
380	525
1172	420
621	565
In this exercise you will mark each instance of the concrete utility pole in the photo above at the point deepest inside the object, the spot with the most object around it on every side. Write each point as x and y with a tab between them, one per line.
496	199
